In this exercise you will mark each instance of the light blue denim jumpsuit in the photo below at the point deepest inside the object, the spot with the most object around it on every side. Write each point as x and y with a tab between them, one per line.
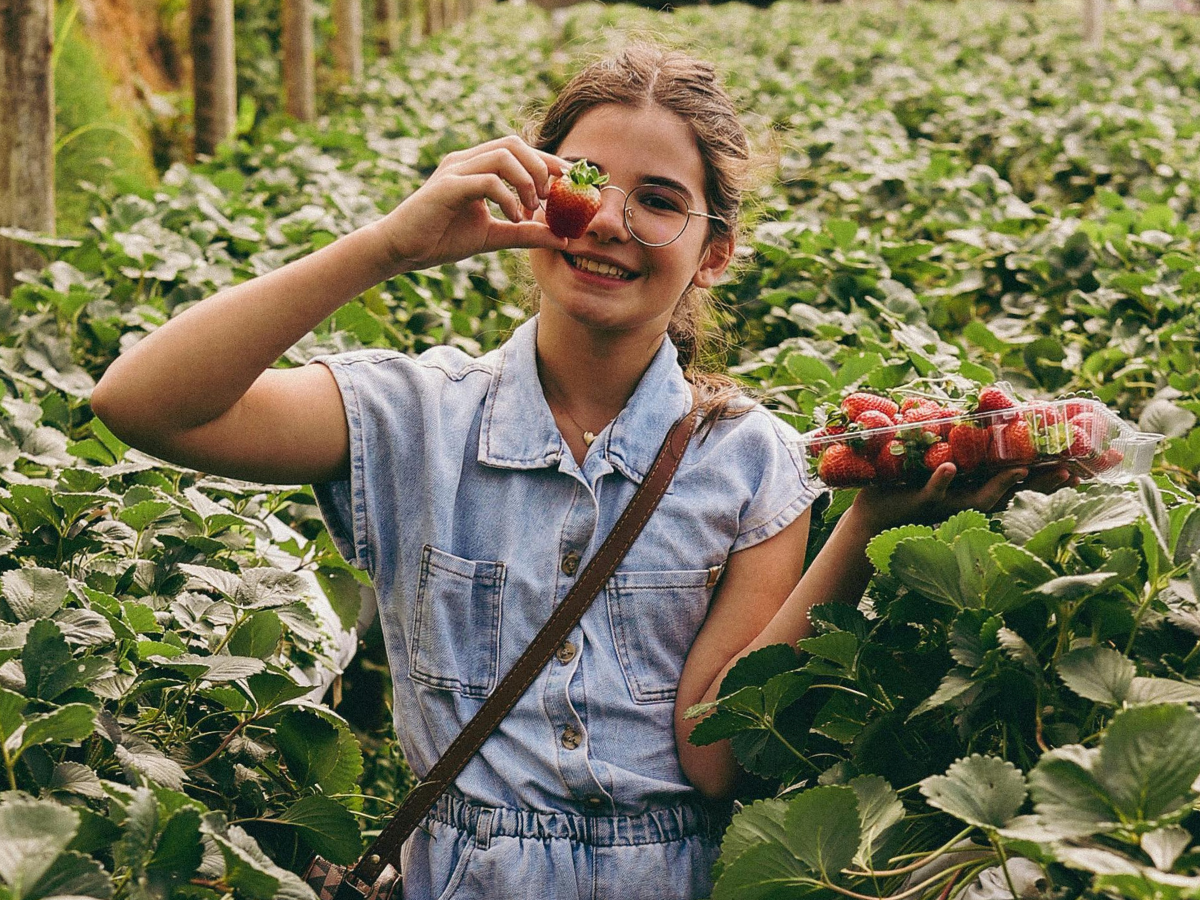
469	512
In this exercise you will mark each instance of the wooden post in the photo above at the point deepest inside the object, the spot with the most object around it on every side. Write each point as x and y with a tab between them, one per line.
1093	23
387	22
299	60
26	129
348	39
214	79
433	16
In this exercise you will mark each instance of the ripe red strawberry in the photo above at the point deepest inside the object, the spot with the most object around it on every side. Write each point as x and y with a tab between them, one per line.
889	464
912	402
993	399
858	403
874	420
1042	415
1082	427
574	199
1109	459
932	417
816	445
840	466
937	454
1014	444
969	446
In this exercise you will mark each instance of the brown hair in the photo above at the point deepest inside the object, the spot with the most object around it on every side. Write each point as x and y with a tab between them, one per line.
645	74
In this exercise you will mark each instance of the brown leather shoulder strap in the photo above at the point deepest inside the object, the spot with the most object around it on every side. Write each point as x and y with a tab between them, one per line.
566	616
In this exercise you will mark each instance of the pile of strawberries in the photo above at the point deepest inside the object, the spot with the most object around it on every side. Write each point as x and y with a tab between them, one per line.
873	439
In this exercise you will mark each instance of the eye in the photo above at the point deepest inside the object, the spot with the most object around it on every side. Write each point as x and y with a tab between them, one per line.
661	200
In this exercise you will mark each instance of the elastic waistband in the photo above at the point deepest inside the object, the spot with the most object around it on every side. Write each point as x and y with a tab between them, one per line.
658	826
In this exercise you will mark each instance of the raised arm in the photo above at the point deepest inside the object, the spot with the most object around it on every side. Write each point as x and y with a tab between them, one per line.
199	391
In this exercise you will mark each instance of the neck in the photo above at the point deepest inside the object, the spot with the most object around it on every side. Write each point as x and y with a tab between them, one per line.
592	374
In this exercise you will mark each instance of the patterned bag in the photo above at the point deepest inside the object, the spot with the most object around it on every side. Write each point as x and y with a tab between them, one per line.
376	876
332	882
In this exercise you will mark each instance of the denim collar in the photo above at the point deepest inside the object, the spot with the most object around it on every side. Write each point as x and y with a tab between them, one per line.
519	432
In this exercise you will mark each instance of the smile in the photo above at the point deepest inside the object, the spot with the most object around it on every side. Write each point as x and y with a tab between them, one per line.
599	268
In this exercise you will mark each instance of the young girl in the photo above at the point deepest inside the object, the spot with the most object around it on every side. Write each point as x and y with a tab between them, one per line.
474	490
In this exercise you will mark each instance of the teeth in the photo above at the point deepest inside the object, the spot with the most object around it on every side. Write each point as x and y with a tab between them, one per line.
600	268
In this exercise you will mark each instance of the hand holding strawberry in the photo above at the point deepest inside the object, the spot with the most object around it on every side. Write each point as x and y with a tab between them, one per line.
574	200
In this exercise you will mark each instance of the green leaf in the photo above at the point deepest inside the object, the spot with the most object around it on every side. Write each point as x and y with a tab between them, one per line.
1076	587
980	790
929	566
1067	798
138	831
72	876
1021	564
179	851
960	522
756	668
33	593
879	808
271	689
838	646
318	752
881	547
1149	691
72	722
327	827
47	663
32	836
954	684
843	231
141	515
766	872
217	668
1096	508
823	829
760	822
257	636
1101	674
12	705
1149	760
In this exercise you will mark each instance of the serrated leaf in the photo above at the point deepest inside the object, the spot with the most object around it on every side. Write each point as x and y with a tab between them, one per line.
179	851
32	834
271	689
1096	508
1018	650
319	752
1164	845
138	830
141	515
1067	798
72	877
1076	587
218	668
881	547
1101	674
258	635
927	565
879	808
138	757
823	828
954	684
837	646
965	520
1155	511
1149	691
262	588
47	663
756	668
980	790
765	872
225	583
831	617
327	827
72	722
1149	760
75	778
1021	564
34	593
84	627
760	822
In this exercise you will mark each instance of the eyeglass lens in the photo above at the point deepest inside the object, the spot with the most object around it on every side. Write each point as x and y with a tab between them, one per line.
655	214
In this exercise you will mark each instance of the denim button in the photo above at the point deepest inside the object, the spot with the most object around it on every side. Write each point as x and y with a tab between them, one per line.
570	562
565	653
592	801
571	738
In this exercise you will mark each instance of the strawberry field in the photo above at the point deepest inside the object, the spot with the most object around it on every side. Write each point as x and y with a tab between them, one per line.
960	194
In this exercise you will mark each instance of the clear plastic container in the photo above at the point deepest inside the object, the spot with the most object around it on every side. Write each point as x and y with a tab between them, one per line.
1093	442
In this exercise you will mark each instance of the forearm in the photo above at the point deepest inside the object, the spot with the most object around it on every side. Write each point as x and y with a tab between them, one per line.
196	366
839	574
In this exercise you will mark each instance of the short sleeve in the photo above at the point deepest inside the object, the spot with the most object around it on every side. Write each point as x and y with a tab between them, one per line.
782	487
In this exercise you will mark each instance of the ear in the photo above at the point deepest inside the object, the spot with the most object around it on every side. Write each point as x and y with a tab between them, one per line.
717	256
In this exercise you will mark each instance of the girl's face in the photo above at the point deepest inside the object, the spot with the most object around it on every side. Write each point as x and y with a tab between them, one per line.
632	146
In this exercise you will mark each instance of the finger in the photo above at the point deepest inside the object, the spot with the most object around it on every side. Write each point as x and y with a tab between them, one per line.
939	483
513	170
528	235
1001	488
489	186
1049	481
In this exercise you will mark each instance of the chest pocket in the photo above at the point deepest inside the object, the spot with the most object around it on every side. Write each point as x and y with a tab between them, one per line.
455	639
655	617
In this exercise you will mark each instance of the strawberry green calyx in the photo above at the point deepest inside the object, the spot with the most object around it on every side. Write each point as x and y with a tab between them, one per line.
583	174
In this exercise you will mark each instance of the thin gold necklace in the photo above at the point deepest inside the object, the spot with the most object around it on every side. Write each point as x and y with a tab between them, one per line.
588	436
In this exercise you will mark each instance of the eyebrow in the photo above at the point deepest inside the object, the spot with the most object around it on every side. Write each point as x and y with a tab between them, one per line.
661	180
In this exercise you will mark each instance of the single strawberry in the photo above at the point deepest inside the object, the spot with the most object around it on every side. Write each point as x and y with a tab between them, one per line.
816	445
993	399
881	426
1042	415
1109	459
932	418
1014	443
937	454
840	466
574	199
889	464
1082	428
860	401
911	402
969	446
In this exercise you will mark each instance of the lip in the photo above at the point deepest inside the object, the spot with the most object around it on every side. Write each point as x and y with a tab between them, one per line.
593	276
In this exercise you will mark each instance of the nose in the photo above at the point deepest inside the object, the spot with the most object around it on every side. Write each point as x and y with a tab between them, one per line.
609	222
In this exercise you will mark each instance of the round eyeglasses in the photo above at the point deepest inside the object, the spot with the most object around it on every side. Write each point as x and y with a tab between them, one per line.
657	215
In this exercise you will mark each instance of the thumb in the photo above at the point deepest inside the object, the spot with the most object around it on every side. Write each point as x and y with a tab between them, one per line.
529	235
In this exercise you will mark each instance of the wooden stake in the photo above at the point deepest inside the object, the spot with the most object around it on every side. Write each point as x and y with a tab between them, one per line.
214	79
26	130
387	21
1093	23
299	60
348	39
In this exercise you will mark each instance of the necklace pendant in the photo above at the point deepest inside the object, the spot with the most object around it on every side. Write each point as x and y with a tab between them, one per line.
588	437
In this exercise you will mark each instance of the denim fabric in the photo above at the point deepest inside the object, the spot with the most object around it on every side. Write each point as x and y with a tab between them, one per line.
465	506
